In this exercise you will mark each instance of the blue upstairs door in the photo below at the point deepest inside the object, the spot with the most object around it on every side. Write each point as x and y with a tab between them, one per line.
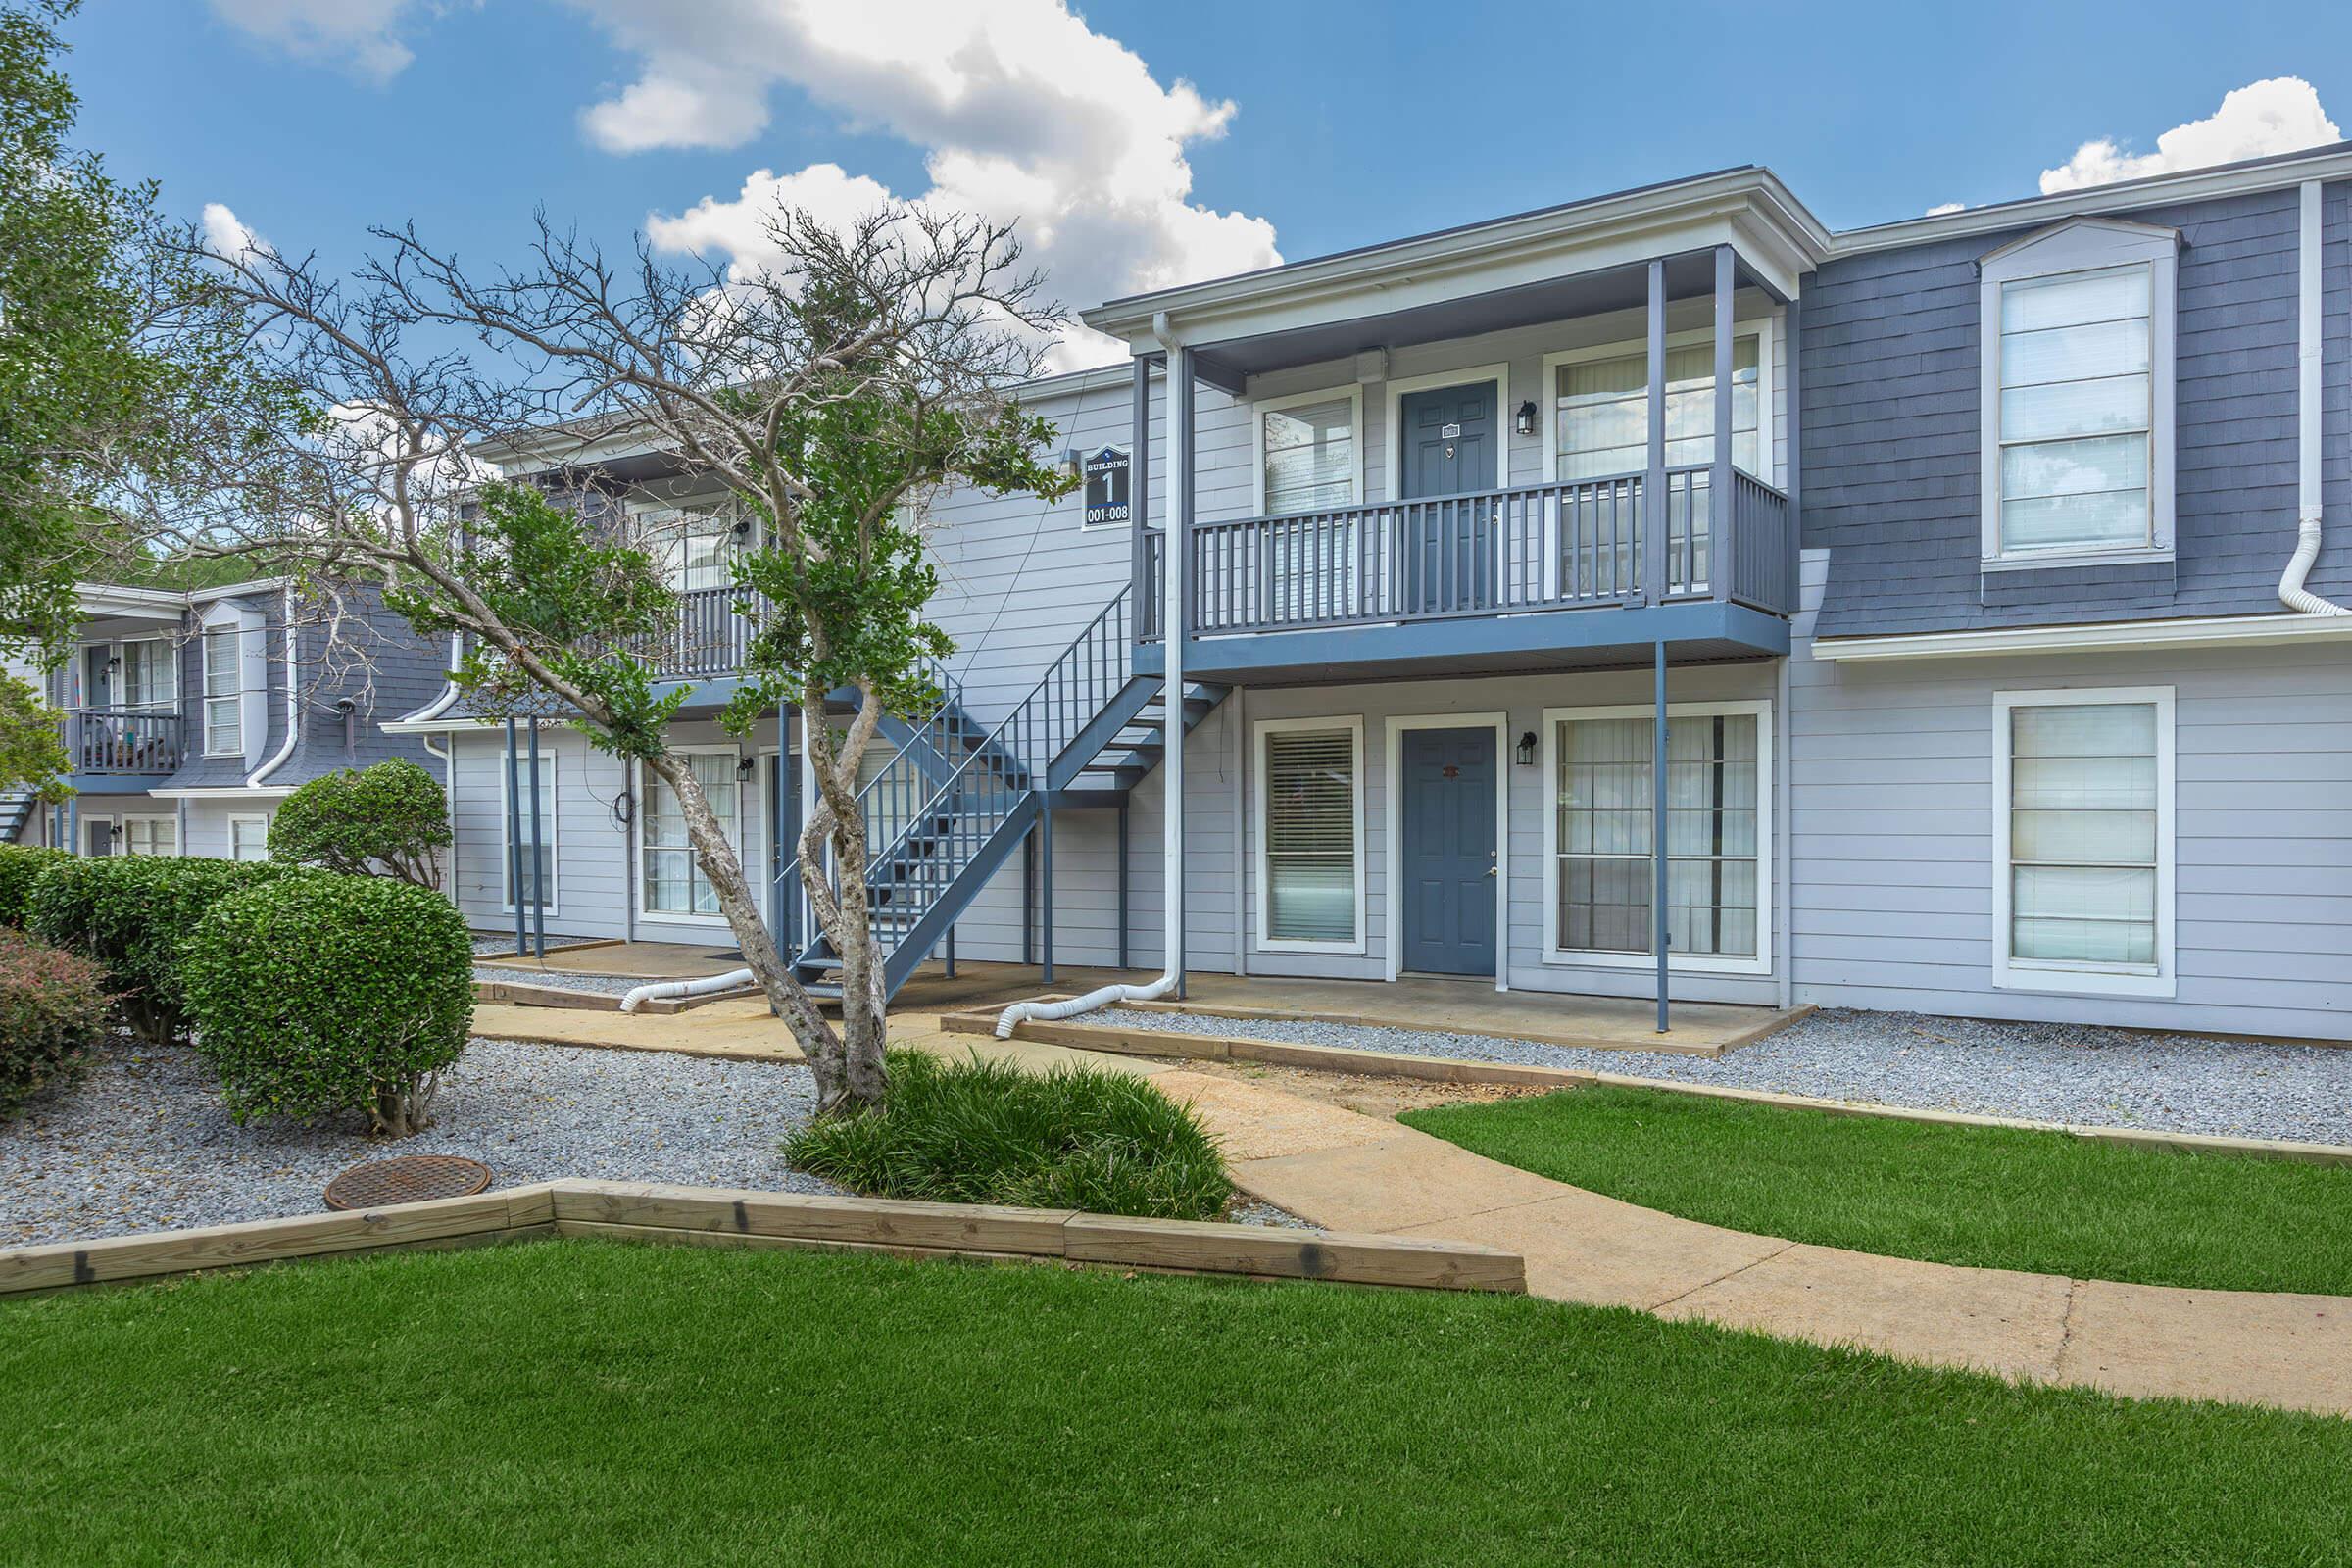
1448	849
1447	439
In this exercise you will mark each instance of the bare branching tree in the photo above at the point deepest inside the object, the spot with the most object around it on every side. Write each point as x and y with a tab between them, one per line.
832	391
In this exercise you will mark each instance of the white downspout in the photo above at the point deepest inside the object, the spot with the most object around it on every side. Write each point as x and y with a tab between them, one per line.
664	988
1171	636
293	699
2309	442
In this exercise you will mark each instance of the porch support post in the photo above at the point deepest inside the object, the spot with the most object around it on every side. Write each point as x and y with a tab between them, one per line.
1657	831
1792	319
1176	634
1721	546
1045	888
538	863
1029	897
514	834
1123	881
950	952
1139	487
1655	506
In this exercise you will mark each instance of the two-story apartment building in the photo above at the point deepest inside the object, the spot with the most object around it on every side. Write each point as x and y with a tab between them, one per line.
189	714
1952	591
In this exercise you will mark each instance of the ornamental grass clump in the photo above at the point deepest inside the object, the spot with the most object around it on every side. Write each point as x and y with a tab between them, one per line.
131	913
984	1132
322	994
53	1010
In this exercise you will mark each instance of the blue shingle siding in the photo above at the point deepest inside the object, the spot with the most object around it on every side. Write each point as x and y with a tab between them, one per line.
1892	432
383	666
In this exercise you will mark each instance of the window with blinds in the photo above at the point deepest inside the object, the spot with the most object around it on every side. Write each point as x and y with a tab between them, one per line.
150	677
1603	874
1603	411
223	696
673	883
1308	827
1309	456
2075	412
2084	844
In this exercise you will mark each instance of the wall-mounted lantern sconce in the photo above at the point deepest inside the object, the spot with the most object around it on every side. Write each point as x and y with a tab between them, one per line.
1072	462
744	767
1525	421
1526	752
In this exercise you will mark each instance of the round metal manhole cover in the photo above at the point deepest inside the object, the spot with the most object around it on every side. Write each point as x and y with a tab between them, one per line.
407	1179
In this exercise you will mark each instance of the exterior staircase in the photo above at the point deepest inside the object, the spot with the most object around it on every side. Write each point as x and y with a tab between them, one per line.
959	795
15	810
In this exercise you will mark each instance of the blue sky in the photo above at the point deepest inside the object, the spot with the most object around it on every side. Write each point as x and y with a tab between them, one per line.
1305	129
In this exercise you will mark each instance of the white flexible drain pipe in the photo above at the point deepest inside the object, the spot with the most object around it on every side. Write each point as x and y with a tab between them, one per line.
2291	591
1172	627
663	989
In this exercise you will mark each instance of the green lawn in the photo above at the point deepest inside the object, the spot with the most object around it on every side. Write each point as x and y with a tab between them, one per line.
1984	1195
571	1402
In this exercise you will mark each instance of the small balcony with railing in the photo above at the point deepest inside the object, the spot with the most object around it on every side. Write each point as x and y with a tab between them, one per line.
124	749
1611	473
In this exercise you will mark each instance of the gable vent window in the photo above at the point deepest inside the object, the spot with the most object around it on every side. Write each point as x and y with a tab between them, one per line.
1310	818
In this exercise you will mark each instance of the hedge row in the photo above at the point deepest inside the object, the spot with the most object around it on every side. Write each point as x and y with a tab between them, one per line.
53	1010
309	991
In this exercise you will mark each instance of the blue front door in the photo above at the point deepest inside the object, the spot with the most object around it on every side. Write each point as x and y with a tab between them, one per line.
1447	876
1446	448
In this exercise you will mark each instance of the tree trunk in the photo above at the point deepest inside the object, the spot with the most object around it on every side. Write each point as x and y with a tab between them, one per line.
723	870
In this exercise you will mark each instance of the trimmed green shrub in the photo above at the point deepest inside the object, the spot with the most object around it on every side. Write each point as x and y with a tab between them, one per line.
322	994
131	913
20	867
984	1132
53	1008
391	818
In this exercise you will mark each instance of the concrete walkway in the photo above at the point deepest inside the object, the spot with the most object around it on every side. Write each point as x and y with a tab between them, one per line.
1344	1170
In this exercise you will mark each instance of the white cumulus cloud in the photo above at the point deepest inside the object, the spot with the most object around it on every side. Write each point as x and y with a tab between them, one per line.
226	234
1022	110
362	34
2280	115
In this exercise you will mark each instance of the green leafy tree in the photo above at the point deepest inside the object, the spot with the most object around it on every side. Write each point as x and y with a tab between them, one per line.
832	392
391	819
116	361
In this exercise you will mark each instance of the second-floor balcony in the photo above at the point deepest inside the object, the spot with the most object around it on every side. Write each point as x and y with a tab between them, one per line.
108	743
1563	545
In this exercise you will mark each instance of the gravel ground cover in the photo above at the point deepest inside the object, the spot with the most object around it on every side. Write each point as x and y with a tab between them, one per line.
2045	1072
143	1144
617	985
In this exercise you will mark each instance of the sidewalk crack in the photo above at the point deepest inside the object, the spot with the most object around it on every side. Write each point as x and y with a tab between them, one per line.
2066	1330
1702	1285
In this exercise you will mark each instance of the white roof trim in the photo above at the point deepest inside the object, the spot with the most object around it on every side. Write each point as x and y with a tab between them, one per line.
2120	636
2196	185
226	792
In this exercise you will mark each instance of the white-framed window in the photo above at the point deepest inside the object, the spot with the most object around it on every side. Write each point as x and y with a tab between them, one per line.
1311	835
2082	830
1601	405
150	835
692	546
249	837
515	832
2077	399
1306	451
1597	836
150	678
223	691
674	885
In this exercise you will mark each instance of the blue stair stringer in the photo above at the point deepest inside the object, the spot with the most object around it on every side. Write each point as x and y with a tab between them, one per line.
957	797
15	810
